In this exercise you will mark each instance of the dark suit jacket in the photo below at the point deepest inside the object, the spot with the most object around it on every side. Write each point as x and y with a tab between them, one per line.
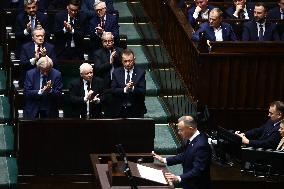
49	101
227	32
195	161
21	22
231	10
77	94
274	13
111	25
88	8
190	12
102	65
134	100
266	136
250	32
61	38
28	52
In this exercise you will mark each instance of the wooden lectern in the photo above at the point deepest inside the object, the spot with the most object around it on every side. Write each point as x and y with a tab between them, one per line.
114	177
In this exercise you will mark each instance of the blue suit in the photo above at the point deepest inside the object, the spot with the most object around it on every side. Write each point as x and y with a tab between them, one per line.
274	13
63	40
111	25
190	12
131	104
267	136
227	32
250	32
195	161
231	10
28	52
88	8
21	22
35	102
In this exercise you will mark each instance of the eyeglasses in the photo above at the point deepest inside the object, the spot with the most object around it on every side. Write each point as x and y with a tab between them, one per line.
107	41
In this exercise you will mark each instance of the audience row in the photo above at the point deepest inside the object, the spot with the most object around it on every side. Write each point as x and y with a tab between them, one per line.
70	27
257	29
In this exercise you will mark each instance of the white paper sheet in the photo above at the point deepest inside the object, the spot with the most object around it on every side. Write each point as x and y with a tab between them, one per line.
151	174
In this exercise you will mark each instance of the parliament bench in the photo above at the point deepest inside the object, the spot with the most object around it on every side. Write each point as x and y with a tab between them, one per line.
6	140
8	173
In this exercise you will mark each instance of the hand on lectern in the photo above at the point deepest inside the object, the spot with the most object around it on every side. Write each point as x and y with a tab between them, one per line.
158	157
171	177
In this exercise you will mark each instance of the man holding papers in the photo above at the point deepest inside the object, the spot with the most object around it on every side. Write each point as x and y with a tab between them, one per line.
195	159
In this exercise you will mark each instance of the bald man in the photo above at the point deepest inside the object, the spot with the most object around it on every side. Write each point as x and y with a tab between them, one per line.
85	94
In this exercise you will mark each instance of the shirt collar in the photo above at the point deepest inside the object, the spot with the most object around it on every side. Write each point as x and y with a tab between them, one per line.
276	123
194	135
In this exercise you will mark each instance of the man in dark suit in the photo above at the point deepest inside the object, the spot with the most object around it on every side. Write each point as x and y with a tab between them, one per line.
199	11
85	94
266	136
128	88
107	58
215	29
240	10
42	89
88	7
70	30
260	29
32	51
102	22
195	159
26	22
277	12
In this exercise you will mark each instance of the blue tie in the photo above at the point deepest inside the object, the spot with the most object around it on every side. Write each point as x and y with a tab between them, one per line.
260	34
44	80
128	77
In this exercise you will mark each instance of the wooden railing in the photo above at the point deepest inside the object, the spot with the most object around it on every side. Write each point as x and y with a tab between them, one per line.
233	76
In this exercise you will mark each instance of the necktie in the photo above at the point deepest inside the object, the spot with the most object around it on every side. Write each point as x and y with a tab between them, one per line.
242	14
102	23
282	15
88	85
72	22
38	51
127	77
260	33
33	23
44	80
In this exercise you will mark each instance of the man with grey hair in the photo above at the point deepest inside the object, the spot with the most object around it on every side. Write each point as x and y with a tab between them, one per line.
26	22
88	7
215	29
32	51
107	58
42	90
102	22
195	159
86	93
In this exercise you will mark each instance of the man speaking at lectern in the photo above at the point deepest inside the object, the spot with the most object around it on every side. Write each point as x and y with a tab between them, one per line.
195	159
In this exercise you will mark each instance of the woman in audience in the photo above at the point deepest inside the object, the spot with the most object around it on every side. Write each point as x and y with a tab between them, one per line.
281	131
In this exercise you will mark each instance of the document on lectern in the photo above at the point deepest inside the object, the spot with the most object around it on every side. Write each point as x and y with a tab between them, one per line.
151	174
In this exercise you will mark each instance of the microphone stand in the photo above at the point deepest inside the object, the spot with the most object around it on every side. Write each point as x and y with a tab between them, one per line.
126	168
